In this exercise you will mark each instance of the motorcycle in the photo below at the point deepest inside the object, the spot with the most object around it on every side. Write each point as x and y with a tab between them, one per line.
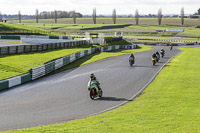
157	57
162	53
131	62
94	91
171	47
154	61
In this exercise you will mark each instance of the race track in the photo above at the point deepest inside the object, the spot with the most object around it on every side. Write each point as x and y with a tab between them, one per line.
64	96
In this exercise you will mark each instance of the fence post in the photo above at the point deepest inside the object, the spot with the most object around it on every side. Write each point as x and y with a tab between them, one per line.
51	46
17	47
37	48
31	48
24	48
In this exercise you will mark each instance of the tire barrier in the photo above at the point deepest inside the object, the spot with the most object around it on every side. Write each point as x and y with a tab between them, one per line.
169	40
188	42
10	37
116	47
58	63
41	47
18	37
50	66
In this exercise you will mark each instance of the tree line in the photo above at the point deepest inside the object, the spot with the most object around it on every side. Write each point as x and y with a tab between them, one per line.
72	14
159	16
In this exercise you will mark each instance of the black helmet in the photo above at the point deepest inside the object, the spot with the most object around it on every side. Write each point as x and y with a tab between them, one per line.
92	76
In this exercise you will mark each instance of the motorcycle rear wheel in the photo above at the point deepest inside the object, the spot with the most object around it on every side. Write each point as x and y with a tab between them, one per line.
100	93
154	63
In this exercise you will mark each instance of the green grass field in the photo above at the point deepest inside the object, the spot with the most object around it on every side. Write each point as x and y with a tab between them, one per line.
142	21
147	26
10	27
15	42
170	104
16	29
13	65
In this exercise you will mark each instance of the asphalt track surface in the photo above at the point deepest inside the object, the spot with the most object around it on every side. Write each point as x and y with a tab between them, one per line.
64	96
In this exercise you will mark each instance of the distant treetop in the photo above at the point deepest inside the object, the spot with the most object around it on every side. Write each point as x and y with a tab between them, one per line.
60	14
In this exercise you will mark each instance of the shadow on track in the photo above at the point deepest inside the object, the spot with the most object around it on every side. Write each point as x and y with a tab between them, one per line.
112	99
142	66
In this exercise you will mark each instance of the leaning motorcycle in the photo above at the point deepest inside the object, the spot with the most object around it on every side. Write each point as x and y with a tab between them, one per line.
154	61
171	47
94	91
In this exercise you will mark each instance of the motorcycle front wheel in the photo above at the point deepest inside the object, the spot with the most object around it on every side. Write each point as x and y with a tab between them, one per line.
91	95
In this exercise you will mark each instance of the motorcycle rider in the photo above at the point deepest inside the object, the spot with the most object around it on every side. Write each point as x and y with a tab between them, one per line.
154	55
171	46
162	51
154	58
93	79
157	56
132	58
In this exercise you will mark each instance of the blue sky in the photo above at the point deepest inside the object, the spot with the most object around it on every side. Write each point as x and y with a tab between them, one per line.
102	6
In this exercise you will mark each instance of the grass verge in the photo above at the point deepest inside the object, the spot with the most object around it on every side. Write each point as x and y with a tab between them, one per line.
170	104
17	29
16	42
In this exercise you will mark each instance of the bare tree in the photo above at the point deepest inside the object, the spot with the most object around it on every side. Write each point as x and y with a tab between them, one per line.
74	17
159	16
136	16
114	16
182	16
37	15
94	16
20	17
1	18
55	16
